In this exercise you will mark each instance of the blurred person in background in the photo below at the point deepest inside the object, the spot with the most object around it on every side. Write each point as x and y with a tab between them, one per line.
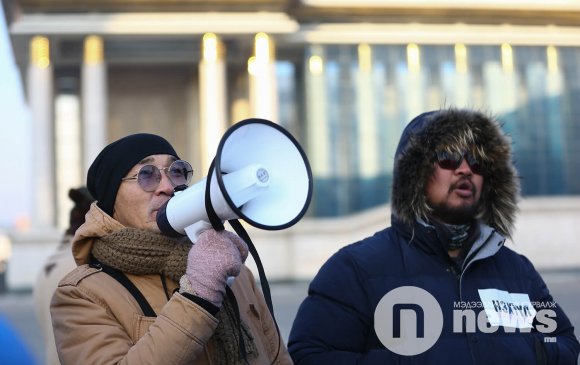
58	264
454	202
141	297
5	253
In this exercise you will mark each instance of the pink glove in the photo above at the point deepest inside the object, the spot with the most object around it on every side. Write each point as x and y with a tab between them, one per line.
211	260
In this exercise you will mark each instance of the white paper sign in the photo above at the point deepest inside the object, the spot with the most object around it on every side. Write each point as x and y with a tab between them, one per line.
507	309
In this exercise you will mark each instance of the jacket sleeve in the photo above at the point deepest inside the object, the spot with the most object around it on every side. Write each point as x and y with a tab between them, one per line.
334	322
555	331
87	332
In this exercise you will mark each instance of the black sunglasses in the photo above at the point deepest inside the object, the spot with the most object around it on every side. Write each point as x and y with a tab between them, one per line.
149	176
452	160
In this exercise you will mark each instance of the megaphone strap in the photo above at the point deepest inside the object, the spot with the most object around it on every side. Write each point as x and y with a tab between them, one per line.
218	225
215	221
237	226
239	229
128	284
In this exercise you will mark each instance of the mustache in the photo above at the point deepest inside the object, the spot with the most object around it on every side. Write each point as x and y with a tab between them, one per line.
463	183
155	207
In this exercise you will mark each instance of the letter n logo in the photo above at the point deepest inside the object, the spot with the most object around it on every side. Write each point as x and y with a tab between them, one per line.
416	313
408	320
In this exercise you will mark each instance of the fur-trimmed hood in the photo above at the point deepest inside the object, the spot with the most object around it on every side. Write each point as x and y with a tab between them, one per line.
456	130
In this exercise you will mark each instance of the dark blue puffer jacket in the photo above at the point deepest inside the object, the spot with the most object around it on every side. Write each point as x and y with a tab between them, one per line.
335	323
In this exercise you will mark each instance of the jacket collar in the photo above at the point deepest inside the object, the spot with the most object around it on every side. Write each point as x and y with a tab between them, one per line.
487	241
97	224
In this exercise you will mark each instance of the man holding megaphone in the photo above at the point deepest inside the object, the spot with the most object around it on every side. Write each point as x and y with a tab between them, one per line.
139	296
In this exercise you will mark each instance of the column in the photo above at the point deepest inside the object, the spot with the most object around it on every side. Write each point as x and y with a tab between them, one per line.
319	140
192	128
411	83
371	188
262	70
501	88
557	139
317	124
40	85
68	154
462	88
212	98
94	100
455	79
493	80
510	87
366	113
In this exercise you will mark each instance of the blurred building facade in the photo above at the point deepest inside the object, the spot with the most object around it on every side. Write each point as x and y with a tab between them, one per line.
343	76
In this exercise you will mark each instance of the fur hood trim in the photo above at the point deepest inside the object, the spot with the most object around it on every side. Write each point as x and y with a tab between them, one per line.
456	130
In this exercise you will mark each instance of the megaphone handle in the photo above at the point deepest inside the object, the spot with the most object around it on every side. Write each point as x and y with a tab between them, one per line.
194	230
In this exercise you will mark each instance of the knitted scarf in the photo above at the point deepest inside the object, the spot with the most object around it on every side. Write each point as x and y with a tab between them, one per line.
140	252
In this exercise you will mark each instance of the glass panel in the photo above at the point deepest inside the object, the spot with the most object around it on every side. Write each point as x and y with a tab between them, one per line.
534	91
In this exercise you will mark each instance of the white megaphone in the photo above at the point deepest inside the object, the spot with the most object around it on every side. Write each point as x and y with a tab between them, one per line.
260	175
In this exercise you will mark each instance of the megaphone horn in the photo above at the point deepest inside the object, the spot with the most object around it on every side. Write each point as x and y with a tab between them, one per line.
260	175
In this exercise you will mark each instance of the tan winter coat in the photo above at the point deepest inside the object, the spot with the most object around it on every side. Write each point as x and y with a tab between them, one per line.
97	321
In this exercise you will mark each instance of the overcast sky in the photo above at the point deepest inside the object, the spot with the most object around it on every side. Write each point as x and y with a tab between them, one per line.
15	138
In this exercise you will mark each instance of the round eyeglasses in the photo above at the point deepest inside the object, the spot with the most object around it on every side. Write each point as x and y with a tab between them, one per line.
149	176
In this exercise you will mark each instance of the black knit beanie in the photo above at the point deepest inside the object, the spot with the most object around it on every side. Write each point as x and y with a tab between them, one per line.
115	161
